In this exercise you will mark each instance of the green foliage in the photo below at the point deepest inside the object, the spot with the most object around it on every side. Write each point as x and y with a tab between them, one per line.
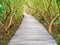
1	12
58	1
37	8
15	7
45	12
0	18
22	1
53	15
57	22
1	8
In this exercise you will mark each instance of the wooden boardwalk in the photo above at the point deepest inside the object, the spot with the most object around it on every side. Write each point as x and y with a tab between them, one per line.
31	32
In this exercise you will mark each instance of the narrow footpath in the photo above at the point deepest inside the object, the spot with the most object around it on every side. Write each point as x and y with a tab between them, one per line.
31	32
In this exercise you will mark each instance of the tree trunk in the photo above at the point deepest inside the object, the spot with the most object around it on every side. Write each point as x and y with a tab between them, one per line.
50	25
9	25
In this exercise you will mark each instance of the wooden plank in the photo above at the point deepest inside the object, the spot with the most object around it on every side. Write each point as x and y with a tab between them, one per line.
31	32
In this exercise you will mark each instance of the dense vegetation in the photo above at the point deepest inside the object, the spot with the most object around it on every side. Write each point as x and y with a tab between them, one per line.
48	13
10	18
45	11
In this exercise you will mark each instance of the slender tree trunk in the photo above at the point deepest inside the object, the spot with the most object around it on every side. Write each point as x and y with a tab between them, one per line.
50	25
9	25
6	13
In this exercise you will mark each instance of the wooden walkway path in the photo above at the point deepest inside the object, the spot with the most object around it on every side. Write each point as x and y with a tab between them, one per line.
31	32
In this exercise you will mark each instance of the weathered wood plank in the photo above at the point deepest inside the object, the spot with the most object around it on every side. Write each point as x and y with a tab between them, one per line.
31	32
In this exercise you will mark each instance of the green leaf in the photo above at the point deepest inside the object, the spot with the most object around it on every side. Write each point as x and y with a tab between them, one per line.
53	15
11	0
58	1
1	7
57	22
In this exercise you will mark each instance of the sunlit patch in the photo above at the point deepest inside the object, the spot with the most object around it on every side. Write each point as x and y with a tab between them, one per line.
0	5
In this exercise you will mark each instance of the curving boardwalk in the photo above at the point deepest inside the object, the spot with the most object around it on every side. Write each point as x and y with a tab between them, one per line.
31	32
